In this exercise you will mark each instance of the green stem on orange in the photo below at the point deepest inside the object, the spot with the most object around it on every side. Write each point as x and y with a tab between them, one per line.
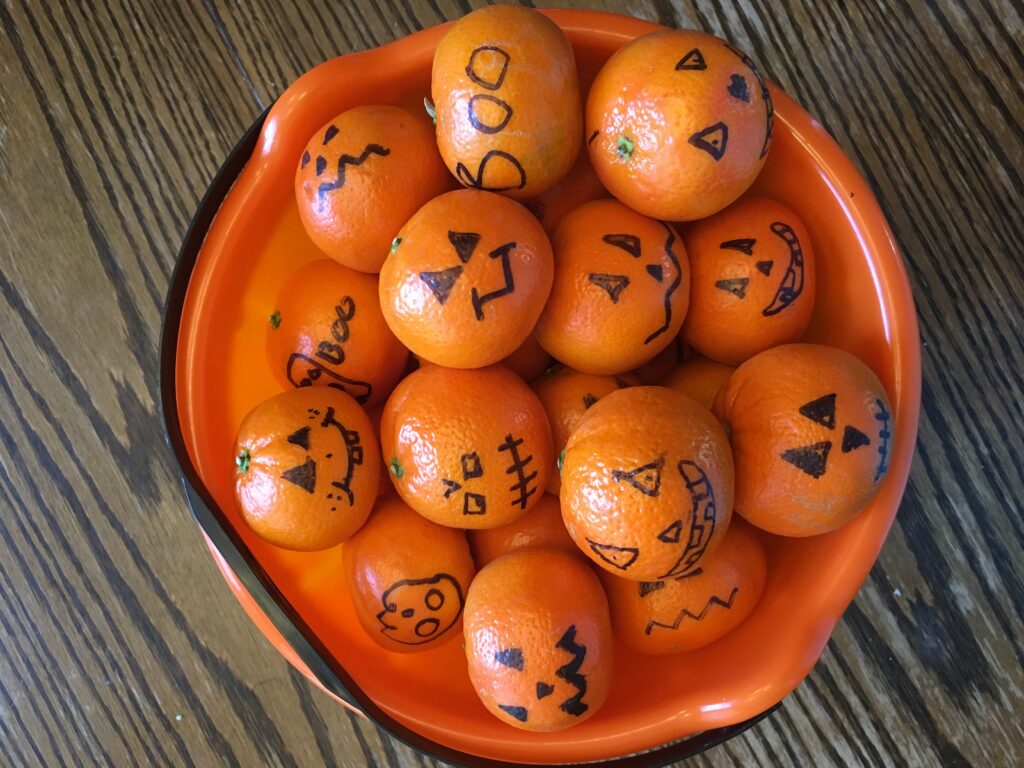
275	319
243	460
625	147
561	461
395	243
395	467
431	109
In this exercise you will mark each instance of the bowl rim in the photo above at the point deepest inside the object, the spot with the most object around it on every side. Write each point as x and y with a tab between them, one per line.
296	640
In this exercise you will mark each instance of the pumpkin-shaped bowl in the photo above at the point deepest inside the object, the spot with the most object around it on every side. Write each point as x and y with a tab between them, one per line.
246	239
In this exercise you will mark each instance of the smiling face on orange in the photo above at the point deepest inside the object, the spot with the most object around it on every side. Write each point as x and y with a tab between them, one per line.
306	472
621	289
753	280
647	484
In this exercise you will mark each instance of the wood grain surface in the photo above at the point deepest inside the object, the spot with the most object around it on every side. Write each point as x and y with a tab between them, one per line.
120	643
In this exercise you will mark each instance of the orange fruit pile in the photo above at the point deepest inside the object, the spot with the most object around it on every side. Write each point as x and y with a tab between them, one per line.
577	367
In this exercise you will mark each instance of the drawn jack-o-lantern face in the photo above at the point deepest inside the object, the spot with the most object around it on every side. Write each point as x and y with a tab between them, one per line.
621	289
361	176
691	611
678	124
812	433
467	278
419	610
303	481
753	280
655	504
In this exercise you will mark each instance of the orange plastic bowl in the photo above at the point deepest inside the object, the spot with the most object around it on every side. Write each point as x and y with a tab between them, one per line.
246	240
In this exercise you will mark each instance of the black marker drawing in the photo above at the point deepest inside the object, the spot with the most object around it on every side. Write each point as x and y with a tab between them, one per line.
304	371
672	533
693	61
464	244
511	658
765	96
498	158
570	672
813	459
343	161
430	607
646	587
703	515
793	281
472	503
673	286
619	557
613	285
305	159
629	243
743	245
330	133
645	478
501	252
303	475
482	63
884	435
738	88
353	449
518	467
764	267
686	613
737	286
853	439
331	351
712	140
809	459
441	283
821	410
475	115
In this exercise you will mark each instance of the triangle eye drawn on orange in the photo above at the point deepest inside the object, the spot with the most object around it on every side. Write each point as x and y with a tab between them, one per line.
646	478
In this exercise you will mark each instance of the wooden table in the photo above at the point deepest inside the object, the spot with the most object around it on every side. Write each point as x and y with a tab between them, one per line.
120	643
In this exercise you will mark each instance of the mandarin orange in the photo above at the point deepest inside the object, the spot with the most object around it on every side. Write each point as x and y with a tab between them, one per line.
620	292
752	280
361	176
678	124
467	279
307	473
812	433
467	448
507	101
538	639
408	578
647	484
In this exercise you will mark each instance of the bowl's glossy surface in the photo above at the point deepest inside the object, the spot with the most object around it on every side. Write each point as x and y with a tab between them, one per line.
864	305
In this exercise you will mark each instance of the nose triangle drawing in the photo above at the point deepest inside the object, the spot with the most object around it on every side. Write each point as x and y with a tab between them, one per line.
809	459
304	476
613	285
441	283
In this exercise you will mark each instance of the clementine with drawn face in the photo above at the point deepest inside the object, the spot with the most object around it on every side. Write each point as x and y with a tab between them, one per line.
306	468
753	280
359	178
647	484
621	289
408	578
694	610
